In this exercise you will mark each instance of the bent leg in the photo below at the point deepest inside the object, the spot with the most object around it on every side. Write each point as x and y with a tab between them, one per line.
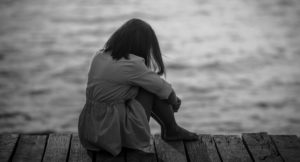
145	98
163	113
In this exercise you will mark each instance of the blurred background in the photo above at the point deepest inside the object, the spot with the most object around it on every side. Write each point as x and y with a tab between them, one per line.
235	64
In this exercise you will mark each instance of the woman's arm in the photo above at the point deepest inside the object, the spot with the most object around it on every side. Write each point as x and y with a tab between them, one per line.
137	74
174	101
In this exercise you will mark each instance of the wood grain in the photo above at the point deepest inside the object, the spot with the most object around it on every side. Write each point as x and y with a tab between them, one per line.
57	148
261	147
77	152
30	148
211	148
231	148
288	147
203	150
139	156
7	145
169	151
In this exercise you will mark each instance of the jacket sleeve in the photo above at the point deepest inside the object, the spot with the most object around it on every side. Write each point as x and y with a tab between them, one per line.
137	74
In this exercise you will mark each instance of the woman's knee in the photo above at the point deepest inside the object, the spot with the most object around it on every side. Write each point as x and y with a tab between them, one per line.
145	98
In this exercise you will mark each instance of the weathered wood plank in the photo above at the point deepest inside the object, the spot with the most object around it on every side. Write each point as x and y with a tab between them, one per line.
261	147
30	148
103	156
7	145
288	147
57	148
211	148
139	156
203	150
231	148
77	152
169	151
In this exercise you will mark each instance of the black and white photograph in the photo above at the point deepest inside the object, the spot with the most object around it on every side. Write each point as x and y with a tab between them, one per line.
145	80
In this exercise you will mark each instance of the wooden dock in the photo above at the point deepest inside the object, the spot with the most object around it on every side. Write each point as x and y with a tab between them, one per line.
209	148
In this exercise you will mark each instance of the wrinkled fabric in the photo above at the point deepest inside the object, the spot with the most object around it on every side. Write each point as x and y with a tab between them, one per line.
111	117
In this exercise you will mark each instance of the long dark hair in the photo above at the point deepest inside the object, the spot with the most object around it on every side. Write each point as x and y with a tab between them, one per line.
136	37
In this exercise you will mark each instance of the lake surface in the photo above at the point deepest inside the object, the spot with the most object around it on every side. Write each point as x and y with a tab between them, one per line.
235	64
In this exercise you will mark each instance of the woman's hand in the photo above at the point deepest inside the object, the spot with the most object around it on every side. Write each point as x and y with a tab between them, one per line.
174	101
177	105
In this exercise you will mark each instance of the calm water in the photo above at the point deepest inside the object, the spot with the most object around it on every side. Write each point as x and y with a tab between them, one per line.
235	64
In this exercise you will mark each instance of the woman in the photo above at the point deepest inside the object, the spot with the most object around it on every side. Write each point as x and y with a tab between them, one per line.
124	89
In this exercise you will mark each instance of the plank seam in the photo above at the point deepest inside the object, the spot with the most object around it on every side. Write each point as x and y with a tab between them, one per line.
154	145
69	148
272	140
14	149
186	152
247	148
45	147
125	155
213	139
94	156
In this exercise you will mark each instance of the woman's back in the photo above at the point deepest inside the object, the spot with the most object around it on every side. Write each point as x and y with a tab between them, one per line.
108	78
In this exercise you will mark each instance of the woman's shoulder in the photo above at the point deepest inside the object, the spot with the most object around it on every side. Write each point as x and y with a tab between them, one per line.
134	64
131	62
133	58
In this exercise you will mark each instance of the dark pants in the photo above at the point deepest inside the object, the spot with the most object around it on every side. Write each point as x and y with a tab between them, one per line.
159	109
